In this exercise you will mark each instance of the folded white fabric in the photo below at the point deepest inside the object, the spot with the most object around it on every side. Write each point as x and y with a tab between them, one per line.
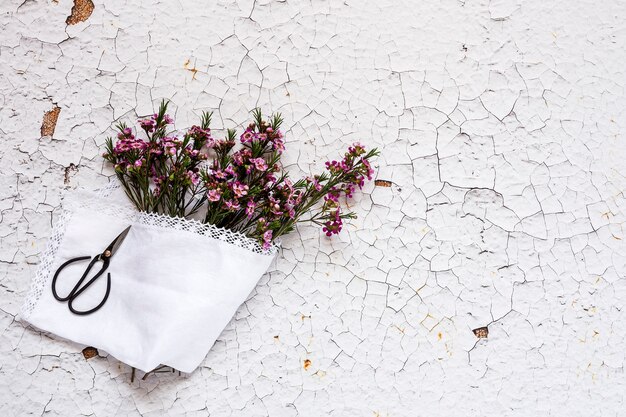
175	283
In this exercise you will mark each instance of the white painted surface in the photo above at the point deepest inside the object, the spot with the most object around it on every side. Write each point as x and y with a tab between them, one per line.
502	127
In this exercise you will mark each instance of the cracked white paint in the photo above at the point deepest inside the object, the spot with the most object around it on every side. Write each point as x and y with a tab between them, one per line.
502	129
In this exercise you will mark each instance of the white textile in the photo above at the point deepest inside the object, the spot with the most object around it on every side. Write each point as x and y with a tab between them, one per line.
175	283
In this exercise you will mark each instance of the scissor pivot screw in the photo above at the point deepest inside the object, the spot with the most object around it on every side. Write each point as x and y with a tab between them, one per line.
107	253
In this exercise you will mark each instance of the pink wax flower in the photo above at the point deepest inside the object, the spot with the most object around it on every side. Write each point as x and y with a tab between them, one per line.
214	195
267	240
241	157
193	177
250	207
274	205
232	205
247	137
240	189
334	225
370	170
259	163
270	178
349	190
333	195
356	149
279	145
147	125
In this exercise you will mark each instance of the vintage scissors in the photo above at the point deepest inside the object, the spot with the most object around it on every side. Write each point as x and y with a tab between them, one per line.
105	258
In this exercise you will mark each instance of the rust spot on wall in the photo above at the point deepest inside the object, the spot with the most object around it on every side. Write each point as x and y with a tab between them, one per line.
50	121
481	332
307	364
81	11
90	352
382	183
193	70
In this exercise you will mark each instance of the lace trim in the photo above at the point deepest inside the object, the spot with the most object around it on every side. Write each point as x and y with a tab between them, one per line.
95	201
46	261
209	230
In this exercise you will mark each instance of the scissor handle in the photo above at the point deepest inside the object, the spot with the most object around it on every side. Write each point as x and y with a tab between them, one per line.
106	296
58	271
78	289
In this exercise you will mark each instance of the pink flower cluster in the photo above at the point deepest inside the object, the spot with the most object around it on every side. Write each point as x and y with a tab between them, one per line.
155	121
244	189
158	170
354	168
270	201
274	137
229	186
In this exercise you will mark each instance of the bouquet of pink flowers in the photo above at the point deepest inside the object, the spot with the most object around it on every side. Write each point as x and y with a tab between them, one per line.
244	190
199	231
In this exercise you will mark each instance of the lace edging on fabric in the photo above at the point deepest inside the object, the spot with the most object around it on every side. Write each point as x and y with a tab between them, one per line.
45	264
209	230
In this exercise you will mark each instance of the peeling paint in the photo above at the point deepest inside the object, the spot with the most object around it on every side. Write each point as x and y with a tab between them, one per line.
49	122
81	11
481	332
383	183
90	352
502	129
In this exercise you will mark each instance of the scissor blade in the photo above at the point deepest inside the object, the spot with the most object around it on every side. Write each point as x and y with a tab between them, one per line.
118	241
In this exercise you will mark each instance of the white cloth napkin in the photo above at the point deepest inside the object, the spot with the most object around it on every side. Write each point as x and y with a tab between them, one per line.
175	283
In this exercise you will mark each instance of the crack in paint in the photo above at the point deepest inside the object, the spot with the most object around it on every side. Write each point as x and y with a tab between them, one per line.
498	204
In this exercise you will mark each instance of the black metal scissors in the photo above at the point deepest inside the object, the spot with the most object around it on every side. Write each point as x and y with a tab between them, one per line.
105	258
